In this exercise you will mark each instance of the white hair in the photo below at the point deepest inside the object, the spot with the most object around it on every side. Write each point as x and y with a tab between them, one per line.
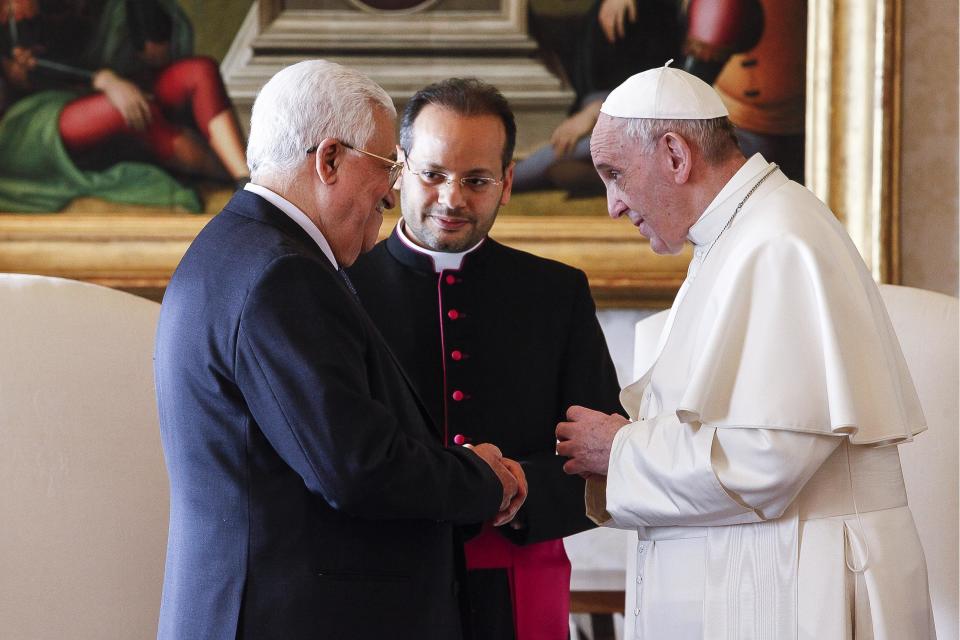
714	137
303	104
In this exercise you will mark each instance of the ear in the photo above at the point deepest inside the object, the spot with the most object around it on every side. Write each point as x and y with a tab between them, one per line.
327	161
507	184
679	157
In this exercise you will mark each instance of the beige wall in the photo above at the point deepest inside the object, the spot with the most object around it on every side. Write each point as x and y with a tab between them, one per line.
929	182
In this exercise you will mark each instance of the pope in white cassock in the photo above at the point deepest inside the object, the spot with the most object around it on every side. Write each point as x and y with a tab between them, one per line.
758	469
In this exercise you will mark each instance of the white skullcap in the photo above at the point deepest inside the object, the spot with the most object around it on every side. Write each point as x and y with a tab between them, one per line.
664	93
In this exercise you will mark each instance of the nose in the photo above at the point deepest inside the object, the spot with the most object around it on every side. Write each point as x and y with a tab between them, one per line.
615	206
451	195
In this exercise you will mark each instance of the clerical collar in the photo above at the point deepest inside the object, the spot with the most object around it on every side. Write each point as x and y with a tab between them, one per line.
716	216
441	260
298	216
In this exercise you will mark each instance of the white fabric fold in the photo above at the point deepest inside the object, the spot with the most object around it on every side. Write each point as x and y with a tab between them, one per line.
791	303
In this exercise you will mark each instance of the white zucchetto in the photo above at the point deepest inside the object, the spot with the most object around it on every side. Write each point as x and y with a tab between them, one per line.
664	93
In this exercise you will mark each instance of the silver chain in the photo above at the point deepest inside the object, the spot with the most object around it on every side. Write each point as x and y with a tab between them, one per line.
736	211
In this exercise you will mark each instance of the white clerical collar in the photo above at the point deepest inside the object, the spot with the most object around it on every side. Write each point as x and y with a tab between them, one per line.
297	216
716	216
441	260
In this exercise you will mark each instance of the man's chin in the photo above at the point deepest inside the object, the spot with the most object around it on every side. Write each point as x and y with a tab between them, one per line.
661	248
450	241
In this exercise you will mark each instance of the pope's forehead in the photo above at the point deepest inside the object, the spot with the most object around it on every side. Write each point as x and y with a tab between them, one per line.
608	138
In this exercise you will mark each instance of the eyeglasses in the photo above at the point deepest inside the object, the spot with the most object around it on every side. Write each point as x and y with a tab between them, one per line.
394	168
475	184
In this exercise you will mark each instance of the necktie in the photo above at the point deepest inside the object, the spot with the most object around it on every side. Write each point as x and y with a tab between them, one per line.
346	280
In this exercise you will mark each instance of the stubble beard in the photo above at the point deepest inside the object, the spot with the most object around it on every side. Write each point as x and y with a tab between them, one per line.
436	239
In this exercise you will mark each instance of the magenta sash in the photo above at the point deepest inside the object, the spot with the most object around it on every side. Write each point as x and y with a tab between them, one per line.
539	577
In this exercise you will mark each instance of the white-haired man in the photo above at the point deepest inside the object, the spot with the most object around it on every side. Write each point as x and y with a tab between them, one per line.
751	469
310	494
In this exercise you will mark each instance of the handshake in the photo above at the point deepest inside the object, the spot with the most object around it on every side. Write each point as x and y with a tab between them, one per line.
511	477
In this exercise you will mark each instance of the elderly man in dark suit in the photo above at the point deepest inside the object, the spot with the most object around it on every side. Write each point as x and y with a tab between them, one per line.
311	495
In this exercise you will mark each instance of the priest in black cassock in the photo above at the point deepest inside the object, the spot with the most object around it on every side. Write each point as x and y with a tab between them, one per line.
498	343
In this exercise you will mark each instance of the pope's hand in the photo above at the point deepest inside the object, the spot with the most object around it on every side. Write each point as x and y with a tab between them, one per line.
586	438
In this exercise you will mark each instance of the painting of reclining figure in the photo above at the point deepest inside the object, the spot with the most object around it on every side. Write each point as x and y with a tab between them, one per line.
105	98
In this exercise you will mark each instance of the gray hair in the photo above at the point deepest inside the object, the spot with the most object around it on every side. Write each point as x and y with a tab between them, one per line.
714	137
303	104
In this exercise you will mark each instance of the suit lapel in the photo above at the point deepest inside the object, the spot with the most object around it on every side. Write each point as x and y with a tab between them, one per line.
250	205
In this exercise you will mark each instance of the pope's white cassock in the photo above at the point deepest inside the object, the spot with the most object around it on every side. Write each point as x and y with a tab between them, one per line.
759	472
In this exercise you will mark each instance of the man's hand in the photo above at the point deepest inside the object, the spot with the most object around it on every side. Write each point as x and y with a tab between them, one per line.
571	130
613	18
126	97
586	438
508	514
492	456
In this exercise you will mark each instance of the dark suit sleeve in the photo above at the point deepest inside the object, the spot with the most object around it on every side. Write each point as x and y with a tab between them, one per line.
303	360
555	504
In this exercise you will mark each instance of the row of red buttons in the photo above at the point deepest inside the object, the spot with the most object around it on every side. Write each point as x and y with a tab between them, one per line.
456	355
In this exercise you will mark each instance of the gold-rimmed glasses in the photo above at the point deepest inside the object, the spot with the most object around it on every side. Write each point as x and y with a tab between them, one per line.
394	168
475	184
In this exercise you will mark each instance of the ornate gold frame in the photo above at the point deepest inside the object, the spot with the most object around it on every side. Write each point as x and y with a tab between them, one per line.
853	149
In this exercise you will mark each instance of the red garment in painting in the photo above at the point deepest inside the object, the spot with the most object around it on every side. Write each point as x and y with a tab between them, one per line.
191	82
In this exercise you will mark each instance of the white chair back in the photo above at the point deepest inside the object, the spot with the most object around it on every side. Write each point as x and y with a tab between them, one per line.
927	327
83	489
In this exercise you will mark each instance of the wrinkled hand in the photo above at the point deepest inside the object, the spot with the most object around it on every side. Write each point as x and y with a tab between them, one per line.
509	513
126	97
492	456
18	66
613	17
586	438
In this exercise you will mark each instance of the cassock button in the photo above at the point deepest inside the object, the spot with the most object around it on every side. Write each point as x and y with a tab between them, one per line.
456	355
457	395
453	314
459	439
450	279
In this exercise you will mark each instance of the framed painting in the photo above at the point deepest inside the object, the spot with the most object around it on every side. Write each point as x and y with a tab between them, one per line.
852	116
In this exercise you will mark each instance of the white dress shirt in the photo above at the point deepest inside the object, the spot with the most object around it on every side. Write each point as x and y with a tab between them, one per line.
297	216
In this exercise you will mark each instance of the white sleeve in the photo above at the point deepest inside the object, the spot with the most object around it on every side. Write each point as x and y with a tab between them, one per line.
667	473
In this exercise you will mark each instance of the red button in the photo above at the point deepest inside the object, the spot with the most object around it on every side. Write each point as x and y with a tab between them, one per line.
451	279
456	355
460	439
457	395
453	314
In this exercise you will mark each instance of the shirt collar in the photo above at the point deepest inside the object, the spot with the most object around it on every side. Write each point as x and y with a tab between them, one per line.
297	216
441	260
715	217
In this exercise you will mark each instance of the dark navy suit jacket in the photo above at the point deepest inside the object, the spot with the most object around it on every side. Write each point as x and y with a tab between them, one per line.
310	494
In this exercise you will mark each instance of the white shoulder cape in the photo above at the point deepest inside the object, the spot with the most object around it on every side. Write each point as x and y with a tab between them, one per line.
784	328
